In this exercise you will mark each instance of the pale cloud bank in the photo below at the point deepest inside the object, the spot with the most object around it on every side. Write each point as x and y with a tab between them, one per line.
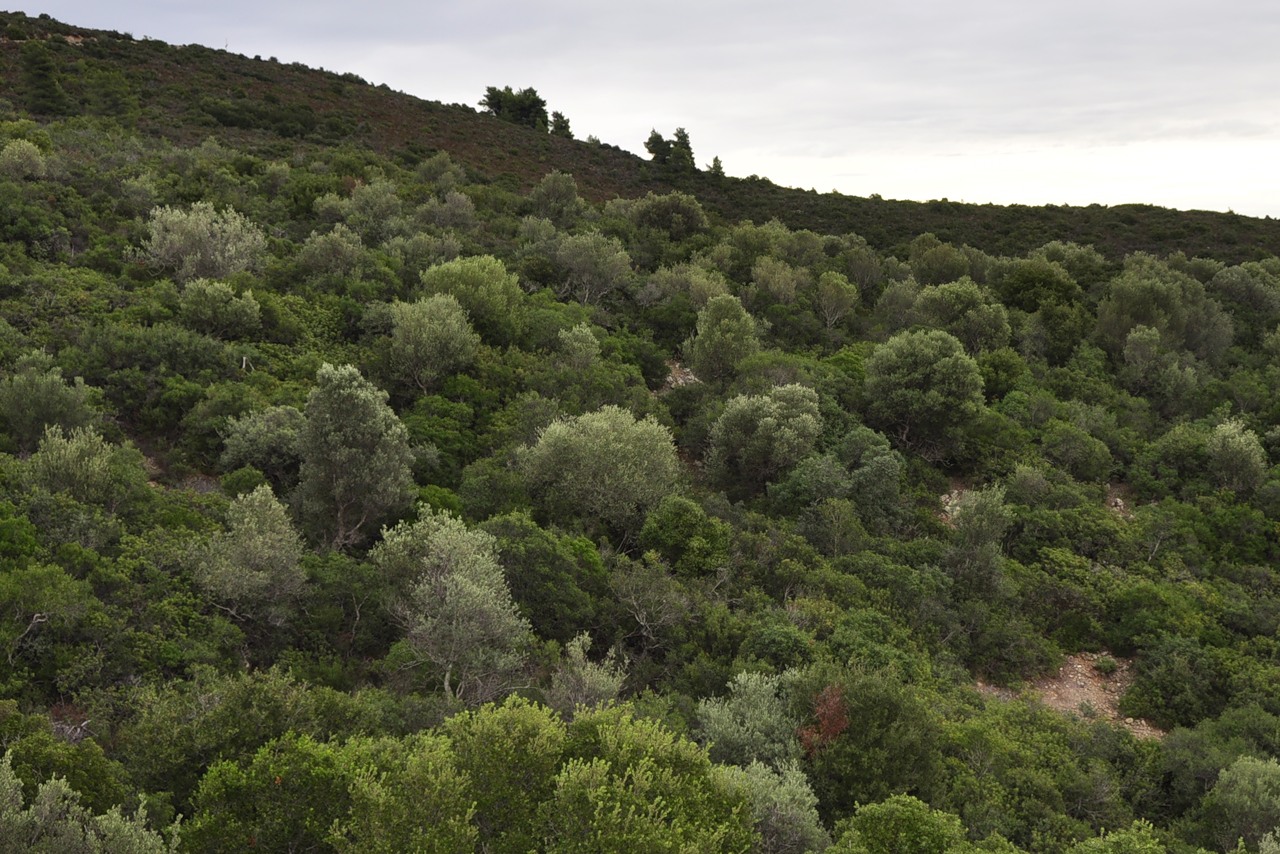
990	101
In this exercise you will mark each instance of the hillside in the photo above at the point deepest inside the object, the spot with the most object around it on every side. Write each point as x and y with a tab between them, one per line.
186	93
376	475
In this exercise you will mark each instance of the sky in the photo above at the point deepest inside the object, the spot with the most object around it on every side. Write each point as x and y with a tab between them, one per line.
1174	103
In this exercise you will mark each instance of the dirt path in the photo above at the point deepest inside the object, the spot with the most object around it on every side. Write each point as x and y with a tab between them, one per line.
1080	688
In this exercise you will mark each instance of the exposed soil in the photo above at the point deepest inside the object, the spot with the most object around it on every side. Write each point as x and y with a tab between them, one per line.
1120	499
1080	688
951	501
678	375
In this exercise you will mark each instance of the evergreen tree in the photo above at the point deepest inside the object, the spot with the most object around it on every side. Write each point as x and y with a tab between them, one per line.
758	438
55	820
523	107
254	568
604	466
725	335
430	339
560	125
924	390
44	93
454	605
35	396
355	459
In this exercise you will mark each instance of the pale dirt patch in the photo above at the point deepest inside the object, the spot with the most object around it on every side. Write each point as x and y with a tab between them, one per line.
951	501
201	483
1079	688
678	375
1120	500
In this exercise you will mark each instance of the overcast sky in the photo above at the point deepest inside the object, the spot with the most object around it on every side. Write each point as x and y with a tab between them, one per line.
1175	103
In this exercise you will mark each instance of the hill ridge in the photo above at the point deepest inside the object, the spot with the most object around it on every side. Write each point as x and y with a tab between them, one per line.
186	93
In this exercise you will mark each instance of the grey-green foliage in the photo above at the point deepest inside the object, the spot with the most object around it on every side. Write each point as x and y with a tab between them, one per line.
980	519
214	309
356	461
333	256
923	389
1252	293
202	242
420	251
374	210
968	311
35	396
834	527
876	472
537	235
603	465
785	808
254	567
579	348
21	159
834	298
454	211
861	443
592	266
876	488
268	440
816	478
482	285
556	198
1198	267
895	309
695	282
580	682
87	467
1152	368
1150	293
725	335
1084	266
751	723
759	438
55	822
676	216
1244	803
777	278
137	195
656	602
1072	449
454	604
863	264
1236	458
430	339
441	173
934	262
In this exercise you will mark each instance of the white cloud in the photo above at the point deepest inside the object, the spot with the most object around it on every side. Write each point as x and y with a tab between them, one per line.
1173	103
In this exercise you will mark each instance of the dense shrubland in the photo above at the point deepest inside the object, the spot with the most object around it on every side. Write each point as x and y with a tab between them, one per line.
358	503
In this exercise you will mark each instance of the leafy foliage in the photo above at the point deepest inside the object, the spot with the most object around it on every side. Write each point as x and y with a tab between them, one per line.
355	458
523	107
452	601
604	465
714	477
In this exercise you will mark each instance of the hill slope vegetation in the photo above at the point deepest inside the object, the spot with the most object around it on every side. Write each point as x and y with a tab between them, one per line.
376	475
